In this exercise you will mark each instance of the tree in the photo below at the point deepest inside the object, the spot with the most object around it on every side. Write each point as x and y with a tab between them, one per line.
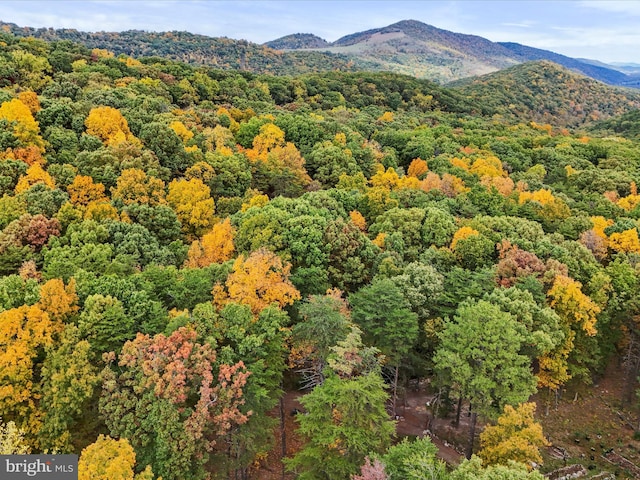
371	471
214	247
109	459
345	421
35	174
328	160
438	227
351	255
324	323
383	313
479	357
167	145
83	191
192	202
68	382
414	460
105	324
135	186
421	285
473	470
25	128
164	397
258	281
108	124
59	300
25	332
12	439
517	437
261	344
573	306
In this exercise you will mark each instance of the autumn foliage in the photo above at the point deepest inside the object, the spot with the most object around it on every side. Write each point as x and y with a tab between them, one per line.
258	281
214	247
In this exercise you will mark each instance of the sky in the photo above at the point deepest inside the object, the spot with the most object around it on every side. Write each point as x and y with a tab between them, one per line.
605	30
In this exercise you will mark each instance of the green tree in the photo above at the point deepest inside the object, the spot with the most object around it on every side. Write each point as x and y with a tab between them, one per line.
324	323
351	255
346	421
479	357
383	313
414	460
69	379
105	324
260	344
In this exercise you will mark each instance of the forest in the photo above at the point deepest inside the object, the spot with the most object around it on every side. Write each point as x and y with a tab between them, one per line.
181	246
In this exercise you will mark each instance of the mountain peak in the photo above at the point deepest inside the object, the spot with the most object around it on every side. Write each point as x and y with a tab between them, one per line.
297	41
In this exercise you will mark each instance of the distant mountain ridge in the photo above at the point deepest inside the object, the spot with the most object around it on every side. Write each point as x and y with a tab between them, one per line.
449	56
407	47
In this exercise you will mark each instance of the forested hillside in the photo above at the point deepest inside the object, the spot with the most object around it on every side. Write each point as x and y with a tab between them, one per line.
222	53
546	92
181	245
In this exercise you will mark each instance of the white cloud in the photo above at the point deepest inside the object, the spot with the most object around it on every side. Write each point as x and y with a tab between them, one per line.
627	7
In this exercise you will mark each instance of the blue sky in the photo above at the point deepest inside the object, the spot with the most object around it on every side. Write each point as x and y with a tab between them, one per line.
605	30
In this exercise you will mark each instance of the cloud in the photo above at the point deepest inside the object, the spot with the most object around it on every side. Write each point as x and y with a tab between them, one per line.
518	25
626	7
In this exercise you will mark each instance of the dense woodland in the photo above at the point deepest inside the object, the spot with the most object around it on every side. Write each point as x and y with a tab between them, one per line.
179	245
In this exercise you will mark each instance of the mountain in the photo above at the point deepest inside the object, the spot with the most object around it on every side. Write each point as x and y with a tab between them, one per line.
297	41
546	92
599	72
415	48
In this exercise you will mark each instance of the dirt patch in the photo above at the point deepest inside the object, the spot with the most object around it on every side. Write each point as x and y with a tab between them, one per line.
589	424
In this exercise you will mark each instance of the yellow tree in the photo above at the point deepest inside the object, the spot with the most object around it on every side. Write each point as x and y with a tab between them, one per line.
573	306
626	241
82	191
35	174
12	439
270	136
183	132
461	234
553	369
135	186
219	139
358	220
258	281
25	127
30	99
108	124
24	333
214	247
417	168
58	300
109	459
192	202
516	437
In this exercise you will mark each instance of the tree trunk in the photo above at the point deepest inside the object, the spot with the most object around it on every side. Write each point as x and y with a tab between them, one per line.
472	434
395	391
458	412
283	435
